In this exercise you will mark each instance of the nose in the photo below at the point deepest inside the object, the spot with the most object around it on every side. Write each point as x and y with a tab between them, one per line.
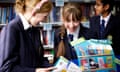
71	25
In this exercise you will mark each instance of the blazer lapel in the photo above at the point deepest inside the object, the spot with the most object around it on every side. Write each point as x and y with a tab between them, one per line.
80	31
109	25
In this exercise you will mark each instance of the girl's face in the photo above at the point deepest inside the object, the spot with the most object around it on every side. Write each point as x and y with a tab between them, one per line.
71	25
99	8
38	17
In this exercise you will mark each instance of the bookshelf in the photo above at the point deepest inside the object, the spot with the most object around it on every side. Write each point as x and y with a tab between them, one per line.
6	12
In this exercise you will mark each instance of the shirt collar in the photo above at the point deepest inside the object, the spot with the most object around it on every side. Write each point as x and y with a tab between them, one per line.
75	34
106	18
25	23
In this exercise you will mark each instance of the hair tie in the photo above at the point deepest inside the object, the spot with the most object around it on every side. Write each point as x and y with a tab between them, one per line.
62	37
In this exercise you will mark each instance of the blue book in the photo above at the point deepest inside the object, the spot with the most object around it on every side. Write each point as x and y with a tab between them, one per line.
11	14
5	15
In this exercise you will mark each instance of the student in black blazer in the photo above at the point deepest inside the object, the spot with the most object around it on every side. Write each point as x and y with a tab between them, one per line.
71	17
20	46
103	10
111	29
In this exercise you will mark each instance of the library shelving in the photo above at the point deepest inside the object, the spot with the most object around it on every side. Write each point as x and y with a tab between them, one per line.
7	12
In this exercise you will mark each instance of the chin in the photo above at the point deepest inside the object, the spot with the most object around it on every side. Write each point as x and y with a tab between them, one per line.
72	31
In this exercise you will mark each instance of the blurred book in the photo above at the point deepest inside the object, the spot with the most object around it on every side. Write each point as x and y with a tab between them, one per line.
64	65
94	55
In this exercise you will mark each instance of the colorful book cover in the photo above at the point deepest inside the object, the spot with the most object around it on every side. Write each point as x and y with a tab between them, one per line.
108	49
101	62
84	64
109	61
91	49
61	65
99	49
93	63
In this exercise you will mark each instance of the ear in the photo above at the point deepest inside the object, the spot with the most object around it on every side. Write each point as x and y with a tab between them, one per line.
107	6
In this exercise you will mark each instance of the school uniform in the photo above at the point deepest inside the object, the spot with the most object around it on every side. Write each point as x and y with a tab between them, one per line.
94	31
20	47
70	53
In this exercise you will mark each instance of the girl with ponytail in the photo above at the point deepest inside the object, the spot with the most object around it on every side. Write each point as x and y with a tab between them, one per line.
70	30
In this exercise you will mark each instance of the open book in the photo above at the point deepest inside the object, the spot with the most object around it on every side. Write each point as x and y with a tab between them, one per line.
63	65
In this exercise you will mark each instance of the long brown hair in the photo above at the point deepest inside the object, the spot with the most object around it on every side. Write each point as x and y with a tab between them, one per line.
67	10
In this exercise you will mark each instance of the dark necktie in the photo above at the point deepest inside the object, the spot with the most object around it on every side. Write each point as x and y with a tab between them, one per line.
102	28
70	37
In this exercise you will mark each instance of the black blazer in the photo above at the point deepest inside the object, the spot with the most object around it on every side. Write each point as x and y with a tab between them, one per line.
116	35
69	51
20	52
94	31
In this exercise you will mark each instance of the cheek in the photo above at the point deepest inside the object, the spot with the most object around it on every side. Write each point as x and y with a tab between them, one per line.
98	10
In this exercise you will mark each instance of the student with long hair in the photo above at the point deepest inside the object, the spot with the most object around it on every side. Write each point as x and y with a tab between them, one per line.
71	29
20	46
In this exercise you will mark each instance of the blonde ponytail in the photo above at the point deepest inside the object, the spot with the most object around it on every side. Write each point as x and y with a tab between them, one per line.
61	46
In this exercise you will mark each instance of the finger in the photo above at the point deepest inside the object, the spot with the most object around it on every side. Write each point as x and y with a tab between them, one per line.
51	68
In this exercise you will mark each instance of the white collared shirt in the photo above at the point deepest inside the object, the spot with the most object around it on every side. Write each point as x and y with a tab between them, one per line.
75	34
106	19
26	25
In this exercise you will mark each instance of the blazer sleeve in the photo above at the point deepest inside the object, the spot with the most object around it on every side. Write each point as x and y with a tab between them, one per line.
9	54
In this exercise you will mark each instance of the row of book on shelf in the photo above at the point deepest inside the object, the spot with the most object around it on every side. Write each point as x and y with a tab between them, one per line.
87	12
6	14
93	56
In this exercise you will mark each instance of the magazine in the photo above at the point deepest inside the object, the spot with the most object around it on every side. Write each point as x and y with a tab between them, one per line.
94	55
